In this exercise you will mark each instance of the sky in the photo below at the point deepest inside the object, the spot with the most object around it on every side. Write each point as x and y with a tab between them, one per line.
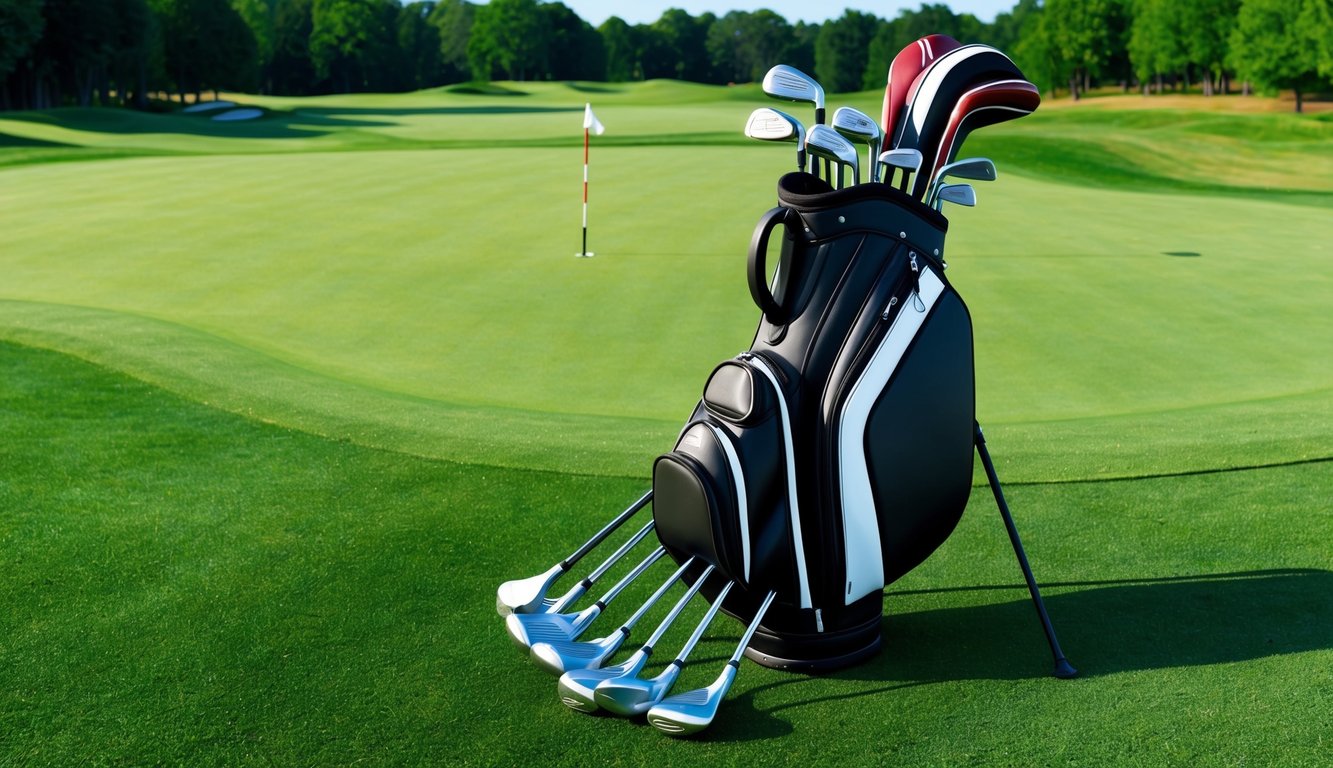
647	11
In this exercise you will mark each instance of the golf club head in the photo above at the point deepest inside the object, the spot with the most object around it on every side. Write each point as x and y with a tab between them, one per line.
907	160
859	128
767	124
576	687
826	143
958	194
528	628
903	70
974	168
527	595
791	84
692	711
559	657
628	695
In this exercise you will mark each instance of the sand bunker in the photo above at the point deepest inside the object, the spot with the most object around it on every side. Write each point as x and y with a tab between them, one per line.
240	114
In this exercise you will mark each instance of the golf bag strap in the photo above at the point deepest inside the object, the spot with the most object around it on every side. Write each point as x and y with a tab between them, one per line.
758	269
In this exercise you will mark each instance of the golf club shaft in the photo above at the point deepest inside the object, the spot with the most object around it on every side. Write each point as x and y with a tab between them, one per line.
662	590
631	576
601	535
699	630
578	589
677	608
750	630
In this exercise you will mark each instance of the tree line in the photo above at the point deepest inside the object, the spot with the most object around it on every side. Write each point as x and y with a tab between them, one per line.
59	52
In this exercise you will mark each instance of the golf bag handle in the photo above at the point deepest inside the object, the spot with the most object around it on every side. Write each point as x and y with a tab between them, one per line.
758	268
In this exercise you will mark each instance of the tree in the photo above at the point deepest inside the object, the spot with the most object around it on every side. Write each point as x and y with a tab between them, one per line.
292	71
206	45
342	37
419	45
1207	26
575	50
21	25
1280	43
1156	41
1079	35
453	21
841	51
622	49
685	38
742	46
509	38
259	17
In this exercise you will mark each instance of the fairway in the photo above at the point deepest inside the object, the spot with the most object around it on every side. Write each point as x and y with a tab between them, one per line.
285	400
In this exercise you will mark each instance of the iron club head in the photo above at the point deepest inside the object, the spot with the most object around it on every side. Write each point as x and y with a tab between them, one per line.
767	124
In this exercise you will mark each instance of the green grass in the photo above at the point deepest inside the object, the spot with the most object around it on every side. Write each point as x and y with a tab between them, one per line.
278	396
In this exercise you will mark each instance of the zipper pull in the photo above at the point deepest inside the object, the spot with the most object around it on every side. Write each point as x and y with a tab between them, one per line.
888	310
917	304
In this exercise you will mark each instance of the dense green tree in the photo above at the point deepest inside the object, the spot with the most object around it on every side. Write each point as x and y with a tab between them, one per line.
344	35
419	45
453	20
259	17
1157	41
622	50
509	38
1206	27
206	45
742	46
1079	35
291	70
1280	43
685	38
575	50
21	25
841	49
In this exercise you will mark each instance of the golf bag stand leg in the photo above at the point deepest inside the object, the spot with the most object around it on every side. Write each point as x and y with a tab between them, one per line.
1063	669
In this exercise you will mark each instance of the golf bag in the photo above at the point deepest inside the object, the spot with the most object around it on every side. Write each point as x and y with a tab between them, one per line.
836	454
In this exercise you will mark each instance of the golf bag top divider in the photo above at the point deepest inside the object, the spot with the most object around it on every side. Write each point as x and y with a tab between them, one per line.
836	454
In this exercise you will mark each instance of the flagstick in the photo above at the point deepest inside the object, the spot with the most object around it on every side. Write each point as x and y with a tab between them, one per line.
584	252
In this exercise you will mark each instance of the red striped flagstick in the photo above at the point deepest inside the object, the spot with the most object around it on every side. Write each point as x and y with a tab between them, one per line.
590	125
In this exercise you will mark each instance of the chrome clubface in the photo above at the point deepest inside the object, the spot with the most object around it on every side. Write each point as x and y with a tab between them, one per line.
958	194
791	84
576	687
526	595
527	629
628	695
826	143
693	711
859	128
560	657
767	124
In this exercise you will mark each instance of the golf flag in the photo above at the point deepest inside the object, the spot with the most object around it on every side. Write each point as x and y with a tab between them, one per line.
590	121
590	125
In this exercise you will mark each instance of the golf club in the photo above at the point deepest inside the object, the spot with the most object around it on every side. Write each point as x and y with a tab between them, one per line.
791	84
903	71
529	628
564	601
576	686
767	124
974	168
986	104
628	695
527	595
958	194
558	656
908	160
824	142
693	711
936	92
858	127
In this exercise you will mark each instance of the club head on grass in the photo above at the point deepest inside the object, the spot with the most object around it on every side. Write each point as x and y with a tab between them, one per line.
576	687
559	657
692	711
527	595
527	629
627	695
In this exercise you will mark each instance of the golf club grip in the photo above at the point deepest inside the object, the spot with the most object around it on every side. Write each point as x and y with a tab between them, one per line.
754	626
757	266
676	609
703	623
601	535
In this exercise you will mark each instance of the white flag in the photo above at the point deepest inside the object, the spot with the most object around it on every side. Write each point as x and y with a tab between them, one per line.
590	121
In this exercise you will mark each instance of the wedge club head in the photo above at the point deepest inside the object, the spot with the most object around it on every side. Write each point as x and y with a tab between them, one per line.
826	143
958	194
767	124
858	128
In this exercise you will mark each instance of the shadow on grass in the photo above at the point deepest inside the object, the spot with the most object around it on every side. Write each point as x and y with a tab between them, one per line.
1105	627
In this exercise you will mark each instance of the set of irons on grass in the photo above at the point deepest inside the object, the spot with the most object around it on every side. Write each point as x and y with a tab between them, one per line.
540	625
937	92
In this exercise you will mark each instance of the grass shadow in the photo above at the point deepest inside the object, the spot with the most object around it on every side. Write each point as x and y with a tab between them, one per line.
1112	626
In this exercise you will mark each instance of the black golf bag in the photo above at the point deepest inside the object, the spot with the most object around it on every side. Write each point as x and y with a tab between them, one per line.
836	454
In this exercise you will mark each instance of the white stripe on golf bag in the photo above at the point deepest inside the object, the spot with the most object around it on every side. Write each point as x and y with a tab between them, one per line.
860	523
742	505
801	576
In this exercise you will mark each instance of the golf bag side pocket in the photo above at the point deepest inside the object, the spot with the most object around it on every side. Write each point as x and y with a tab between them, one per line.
721	494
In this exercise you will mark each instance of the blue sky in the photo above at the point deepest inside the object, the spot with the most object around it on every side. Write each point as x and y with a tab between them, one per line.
645	11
